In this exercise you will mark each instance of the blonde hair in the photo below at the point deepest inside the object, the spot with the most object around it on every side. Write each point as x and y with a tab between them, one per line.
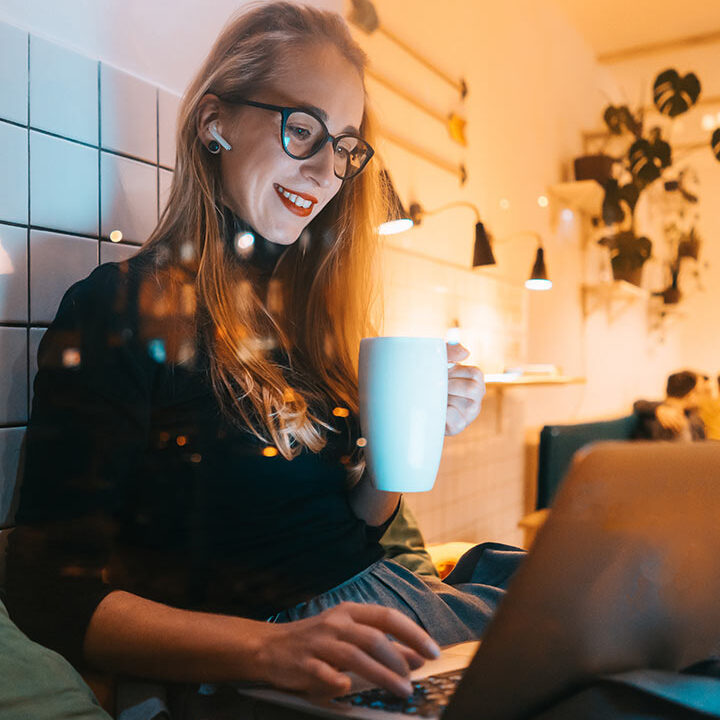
323	289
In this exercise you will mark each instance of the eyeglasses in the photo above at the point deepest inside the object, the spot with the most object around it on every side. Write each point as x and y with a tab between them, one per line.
303	134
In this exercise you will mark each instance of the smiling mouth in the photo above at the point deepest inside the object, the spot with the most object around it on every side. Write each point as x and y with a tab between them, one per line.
298	203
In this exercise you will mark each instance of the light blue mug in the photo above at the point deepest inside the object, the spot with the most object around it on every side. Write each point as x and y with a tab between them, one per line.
403	403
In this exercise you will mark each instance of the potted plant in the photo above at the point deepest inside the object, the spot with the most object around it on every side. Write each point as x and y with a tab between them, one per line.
646	158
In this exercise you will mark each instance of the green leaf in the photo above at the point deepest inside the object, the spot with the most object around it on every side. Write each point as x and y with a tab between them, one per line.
674	95
715	143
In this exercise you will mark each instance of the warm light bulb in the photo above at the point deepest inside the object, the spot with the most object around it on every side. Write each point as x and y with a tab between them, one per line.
538	284
567	215
708	122
116	236
542	201
392	227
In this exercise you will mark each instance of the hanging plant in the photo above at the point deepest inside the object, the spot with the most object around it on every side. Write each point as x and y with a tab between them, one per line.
628	254
689	245
618	201
619	119
648	158
715	143
674	95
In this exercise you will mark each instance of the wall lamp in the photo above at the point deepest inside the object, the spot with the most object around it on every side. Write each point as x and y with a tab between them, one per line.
401	220
538	279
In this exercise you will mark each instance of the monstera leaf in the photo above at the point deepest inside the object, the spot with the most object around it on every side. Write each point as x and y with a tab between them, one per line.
627	249
615	197
715	143
648	158
674	95
619	118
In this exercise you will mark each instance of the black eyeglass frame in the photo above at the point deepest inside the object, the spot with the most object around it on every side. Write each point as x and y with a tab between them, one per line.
285	112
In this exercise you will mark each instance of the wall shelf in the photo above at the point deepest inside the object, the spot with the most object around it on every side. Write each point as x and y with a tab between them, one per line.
615	296
503	380
500	382
585	196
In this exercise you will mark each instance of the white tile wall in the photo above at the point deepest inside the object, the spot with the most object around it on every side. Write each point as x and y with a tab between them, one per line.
129	197
36	335
128	110
168	105
13	378
10	445
116	252
63	91
165	181
63	185
13	74
13	274
56	262
14	173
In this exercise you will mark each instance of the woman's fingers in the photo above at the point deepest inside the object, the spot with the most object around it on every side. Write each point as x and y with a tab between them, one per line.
349	657
322	679
413	659
393	622
313	655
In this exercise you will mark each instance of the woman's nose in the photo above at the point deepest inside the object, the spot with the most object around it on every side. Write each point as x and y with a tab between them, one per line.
321	167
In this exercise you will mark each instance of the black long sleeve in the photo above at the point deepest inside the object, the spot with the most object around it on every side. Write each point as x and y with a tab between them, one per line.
88	427
136	480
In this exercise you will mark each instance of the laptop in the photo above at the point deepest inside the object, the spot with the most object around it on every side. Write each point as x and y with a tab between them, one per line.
604	589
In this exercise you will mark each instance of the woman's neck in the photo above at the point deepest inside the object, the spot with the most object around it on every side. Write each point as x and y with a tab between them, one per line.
254	251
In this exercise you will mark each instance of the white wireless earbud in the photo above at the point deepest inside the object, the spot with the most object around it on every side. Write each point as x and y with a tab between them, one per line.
221	140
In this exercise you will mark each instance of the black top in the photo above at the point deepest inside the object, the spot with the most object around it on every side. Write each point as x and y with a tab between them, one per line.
135	480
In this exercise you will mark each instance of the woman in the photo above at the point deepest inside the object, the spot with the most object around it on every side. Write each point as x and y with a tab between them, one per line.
192	461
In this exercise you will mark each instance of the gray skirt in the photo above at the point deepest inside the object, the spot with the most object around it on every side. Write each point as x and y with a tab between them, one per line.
452	610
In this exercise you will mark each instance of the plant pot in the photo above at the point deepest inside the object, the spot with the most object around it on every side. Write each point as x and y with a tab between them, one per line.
593	167
626	272
671	295
689	249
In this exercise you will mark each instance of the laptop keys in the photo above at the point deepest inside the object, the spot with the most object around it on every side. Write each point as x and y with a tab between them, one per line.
430	696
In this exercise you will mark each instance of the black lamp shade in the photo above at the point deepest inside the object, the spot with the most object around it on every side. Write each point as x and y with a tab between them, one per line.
482	253
539	271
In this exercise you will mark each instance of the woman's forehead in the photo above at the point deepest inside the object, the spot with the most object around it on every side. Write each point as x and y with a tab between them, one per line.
320	78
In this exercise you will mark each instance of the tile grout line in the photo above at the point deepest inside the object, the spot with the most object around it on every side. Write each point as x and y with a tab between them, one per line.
157	155
99	159
28	389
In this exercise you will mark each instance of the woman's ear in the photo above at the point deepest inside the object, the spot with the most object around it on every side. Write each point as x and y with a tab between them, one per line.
207	113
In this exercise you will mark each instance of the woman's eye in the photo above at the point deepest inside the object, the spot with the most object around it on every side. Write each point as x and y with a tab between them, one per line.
299	132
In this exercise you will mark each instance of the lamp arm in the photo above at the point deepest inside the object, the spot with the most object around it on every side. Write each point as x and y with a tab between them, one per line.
515	235
456	203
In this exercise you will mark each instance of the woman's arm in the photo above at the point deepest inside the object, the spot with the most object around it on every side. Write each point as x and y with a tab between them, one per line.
129	634
371	505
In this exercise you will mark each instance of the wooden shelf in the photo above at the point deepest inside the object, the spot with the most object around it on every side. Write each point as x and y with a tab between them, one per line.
503	380
585	196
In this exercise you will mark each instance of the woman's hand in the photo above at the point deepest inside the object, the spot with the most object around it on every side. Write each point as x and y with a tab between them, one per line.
466	389
314	655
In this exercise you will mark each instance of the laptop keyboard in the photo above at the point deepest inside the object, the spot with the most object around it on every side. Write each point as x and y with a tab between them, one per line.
430	696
